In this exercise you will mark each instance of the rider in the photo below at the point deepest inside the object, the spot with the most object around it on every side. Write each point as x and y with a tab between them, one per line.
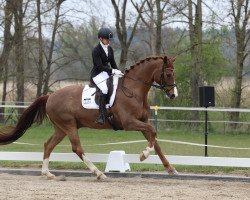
102	56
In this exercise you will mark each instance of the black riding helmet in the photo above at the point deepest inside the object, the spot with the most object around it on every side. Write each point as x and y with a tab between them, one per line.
105	33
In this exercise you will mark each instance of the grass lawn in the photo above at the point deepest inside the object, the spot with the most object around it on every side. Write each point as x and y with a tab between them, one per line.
90	137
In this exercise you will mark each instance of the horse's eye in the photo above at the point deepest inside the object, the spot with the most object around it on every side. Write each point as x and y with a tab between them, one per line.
169	75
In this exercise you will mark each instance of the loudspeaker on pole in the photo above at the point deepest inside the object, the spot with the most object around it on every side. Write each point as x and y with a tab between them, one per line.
206	94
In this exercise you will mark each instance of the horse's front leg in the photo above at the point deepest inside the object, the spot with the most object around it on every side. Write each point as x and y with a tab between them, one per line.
149	133
170	169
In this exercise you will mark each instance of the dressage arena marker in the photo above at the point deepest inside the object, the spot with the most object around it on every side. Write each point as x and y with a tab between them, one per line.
116	162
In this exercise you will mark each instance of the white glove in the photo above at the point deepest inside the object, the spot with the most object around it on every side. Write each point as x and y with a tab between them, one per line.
117	72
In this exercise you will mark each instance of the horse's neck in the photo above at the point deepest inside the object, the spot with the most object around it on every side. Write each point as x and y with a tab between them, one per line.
146	71
142	77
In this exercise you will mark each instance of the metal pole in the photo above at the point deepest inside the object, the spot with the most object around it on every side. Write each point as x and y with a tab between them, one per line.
156	109
206	133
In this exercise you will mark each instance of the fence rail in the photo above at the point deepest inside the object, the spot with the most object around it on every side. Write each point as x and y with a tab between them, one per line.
160	108
130	158
241	110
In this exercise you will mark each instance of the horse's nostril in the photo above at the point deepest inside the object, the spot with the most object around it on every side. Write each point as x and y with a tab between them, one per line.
172	96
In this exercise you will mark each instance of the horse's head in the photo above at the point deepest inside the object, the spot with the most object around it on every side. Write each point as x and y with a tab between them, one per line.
165	77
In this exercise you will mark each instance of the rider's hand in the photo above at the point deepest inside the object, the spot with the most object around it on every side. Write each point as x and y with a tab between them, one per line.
117	72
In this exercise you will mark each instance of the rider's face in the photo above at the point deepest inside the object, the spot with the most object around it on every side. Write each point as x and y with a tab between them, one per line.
104	41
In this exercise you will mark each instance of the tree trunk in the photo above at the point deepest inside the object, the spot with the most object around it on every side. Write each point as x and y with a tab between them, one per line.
19	53
151	28
195	34
158	37
7	45
241	15
40	51
123	57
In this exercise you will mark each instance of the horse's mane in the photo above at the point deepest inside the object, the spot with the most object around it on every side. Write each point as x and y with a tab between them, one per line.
142	61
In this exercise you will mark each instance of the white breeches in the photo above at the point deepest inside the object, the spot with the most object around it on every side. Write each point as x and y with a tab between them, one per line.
100	81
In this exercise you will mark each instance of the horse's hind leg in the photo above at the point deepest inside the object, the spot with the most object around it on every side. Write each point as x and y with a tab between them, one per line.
77	148
48	148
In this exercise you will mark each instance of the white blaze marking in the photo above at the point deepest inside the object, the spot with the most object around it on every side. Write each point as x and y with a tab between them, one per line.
175	91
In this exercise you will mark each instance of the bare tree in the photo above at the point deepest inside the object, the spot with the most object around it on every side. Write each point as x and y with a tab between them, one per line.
122	29
52	44
195	35
155	15
240	13
76	44
40	50
19	53
7	45
154	24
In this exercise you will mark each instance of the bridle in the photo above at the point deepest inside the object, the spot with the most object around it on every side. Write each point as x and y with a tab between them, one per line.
162	86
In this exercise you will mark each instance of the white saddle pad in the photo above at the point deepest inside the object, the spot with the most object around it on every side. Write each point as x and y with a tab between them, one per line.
88	96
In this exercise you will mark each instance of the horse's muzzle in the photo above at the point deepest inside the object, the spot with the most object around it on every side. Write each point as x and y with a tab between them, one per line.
172	96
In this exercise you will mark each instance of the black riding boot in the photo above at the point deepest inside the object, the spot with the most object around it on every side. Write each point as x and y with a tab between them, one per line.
102	109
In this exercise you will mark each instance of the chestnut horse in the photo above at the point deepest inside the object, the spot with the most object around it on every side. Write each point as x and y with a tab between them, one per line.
130	110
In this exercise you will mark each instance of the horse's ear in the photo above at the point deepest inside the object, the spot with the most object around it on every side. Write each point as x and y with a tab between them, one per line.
165	58
173	59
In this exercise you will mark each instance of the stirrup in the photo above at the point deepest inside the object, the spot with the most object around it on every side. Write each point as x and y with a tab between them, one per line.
100	120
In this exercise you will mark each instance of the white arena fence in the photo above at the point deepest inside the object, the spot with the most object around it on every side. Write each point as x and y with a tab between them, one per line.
128	158
12	110
134	158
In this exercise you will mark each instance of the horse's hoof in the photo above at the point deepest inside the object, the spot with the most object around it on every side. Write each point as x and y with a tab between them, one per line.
60	178
48	175
101	177
173	172
142	157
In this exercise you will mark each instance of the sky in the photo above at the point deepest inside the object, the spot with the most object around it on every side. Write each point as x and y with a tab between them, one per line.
103	10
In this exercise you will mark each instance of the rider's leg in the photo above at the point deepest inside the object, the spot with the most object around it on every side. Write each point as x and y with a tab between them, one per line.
100	81
102	109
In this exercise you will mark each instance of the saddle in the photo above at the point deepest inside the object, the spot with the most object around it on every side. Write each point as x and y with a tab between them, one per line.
91	94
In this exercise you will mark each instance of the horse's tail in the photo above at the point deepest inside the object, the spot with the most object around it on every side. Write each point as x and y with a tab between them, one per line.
35	113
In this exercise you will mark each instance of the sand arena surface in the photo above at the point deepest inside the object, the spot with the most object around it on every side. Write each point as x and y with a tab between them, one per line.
38	188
